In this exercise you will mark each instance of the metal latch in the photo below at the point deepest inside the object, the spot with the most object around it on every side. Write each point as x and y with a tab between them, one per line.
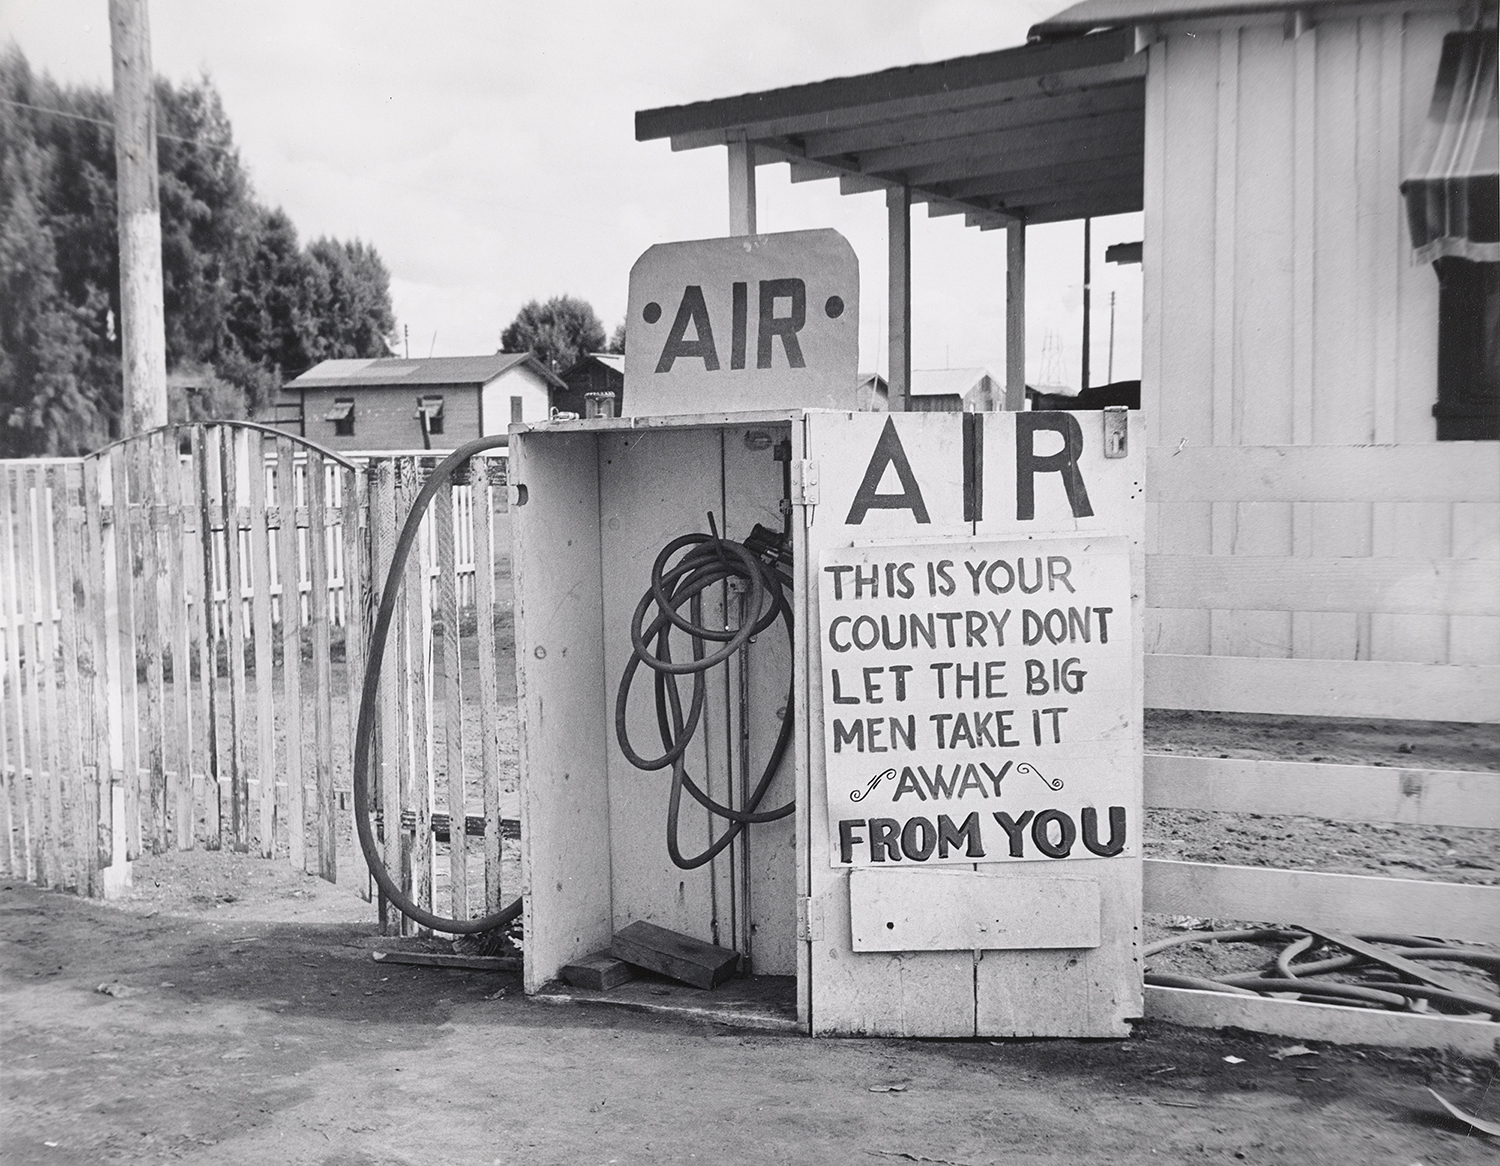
1116	428
809	919
805	482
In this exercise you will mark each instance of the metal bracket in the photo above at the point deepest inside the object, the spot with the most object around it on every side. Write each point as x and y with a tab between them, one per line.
809	919
805	483
1116	430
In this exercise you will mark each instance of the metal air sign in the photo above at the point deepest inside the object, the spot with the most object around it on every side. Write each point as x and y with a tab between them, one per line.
748	322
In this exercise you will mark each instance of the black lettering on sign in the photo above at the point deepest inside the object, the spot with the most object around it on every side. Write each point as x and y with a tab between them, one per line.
737	319
890	452
692	311
966	835
787	327
1063	462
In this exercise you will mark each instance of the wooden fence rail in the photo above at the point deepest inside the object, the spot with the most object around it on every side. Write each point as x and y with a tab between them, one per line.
1222	586
183	620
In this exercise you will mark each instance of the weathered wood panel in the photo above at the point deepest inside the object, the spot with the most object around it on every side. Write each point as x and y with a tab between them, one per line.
1354	903
1329	688
1262	583
1322	1022
1354	793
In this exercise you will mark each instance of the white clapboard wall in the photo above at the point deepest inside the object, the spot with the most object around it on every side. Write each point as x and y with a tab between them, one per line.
1221	601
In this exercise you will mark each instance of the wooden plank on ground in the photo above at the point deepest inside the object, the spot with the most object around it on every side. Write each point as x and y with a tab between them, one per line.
206	452
230	468
1410	968
265	694
1328	688
1438	472
482	496
419	694
1335	1023
1351	793
1354	903
474	963
317	546
448	690
63	482
670	953
598	970
289	576
1263	583
179	760
97	742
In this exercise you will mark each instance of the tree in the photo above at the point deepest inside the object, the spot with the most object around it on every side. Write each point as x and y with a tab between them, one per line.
559	333
245	305
617	339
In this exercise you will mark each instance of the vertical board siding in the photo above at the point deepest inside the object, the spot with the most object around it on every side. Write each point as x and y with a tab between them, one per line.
1281	307
153	604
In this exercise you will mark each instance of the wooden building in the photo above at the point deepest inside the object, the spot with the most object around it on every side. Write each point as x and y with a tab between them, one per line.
1288	302
597	372
438	403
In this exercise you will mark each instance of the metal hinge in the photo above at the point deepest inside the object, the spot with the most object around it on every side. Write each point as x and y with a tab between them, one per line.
1116	429
809	919
805	483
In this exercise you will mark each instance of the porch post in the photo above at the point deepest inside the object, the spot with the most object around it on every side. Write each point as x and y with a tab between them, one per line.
741	187
1015	317
898	215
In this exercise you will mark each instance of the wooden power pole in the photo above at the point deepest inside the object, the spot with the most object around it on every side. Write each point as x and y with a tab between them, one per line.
142	328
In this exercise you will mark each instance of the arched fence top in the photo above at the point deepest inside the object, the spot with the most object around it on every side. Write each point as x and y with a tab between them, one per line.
255	426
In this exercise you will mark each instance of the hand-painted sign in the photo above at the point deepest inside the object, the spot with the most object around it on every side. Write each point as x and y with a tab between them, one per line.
748	322
977	700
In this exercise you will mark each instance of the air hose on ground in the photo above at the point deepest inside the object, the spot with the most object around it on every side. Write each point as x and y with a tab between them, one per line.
706	559
365	726
1310	981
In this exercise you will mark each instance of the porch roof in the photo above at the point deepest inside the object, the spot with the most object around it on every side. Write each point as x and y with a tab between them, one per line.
1033	134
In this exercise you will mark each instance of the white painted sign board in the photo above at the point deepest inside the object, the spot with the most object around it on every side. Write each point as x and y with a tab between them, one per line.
743	323
928	914
977	701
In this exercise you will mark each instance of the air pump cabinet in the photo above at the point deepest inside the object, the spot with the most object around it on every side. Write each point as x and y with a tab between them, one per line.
964	859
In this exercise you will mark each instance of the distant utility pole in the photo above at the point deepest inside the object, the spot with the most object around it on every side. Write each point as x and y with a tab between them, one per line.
142	328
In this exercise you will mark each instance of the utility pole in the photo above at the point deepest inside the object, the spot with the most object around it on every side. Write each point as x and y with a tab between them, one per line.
142	327
1087	246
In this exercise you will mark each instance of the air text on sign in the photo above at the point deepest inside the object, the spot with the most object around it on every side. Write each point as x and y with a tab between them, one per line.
748	322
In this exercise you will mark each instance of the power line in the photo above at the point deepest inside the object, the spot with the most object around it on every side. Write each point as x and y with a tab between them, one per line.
107	124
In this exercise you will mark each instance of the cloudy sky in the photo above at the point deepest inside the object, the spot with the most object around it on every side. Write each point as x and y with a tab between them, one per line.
488	150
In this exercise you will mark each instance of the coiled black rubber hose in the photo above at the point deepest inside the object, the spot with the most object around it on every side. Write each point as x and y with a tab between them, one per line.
708	560
1285	975
366	724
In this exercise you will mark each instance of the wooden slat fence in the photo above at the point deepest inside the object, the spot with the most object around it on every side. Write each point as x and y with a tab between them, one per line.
1461	474
183	620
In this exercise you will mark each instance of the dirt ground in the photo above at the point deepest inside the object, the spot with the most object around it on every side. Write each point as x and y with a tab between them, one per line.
245	1021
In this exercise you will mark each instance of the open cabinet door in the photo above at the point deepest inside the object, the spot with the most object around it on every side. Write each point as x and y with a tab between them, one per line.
972	702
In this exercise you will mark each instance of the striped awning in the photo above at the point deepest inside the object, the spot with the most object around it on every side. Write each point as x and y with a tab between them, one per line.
1452	190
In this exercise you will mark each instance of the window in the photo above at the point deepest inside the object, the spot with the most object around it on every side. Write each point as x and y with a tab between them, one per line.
342	416
1468	405
1453	211
515	410
430	414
